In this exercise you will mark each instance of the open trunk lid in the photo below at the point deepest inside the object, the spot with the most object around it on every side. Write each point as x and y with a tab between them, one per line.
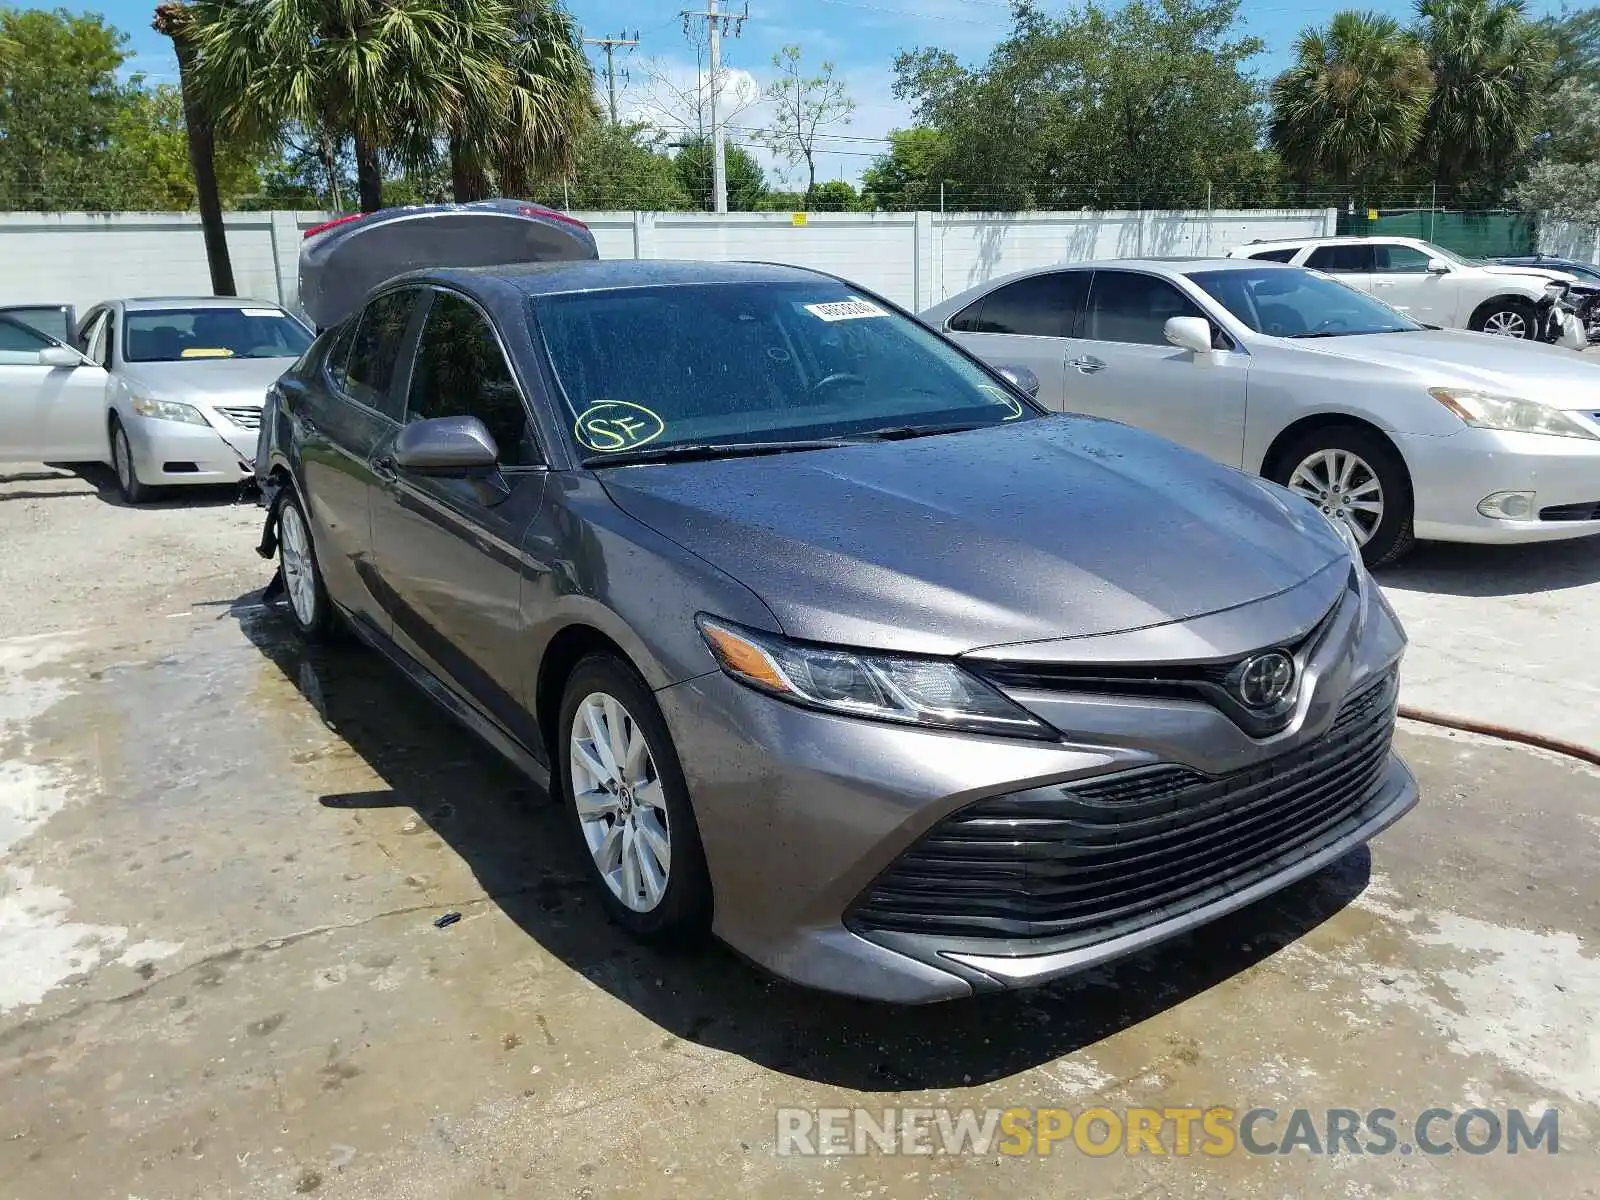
342	260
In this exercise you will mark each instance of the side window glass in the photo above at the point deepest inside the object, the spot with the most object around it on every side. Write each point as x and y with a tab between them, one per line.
375	349
1341	260
1400	260
1132	308
967	320
461	372
337	358
1038	306
98	343
19	344
1282	256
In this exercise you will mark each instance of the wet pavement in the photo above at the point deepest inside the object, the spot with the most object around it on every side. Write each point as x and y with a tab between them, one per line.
222	854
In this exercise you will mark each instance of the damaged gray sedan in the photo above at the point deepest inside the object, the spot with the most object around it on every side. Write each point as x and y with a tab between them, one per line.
829	639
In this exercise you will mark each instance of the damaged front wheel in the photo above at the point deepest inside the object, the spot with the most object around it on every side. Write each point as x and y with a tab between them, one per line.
301	577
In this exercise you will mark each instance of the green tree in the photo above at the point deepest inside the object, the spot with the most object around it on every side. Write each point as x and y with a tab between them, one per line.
59	98
908	176
178	22
747	182
1490	65
835	195
1574	39
1565	182
147	161
1145	104
617	167
804	107
1351	108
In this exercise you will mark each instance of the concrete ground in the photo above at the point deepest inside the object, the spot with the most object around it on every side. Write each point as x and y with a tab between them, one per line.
221	856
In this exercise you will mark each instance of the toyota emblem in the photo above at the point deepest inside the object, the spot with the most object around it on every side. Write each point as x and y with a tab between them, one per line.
1265	680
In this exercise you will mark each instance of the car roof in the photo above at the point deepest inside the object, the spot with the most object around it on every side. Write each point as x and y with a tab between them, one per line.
556	278
163	303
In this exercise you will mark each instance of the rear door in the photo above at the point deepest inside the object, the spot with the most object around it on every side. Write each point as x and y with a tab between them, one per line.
448	547
1350	263
48	413
342	422
1026	323
1121	366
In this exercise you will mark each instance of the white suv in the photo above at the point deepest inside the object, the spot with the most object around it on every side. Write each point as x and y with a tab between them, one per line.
1426	282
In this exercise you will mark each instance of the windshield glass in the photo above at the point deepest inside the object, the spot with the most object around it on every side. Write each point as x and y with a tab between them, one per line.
171	334
753	363
1292	302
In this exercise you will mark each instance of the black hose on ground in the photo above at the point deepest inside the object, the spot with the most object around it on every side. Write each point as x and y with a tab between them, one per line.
1503	733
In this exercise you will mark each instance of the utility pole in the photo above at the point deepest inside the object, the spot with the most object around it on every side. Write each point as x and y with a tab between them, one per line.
610	44
717	24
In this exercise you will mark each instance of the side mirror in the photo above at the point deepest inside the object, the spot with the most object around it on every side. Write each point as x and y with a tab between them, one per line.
1189	333
60	356
446	446
1438	266
1022	379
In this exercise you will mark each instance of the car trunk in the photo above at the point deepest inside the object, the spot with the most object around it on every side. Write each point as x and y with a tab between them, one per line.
343	260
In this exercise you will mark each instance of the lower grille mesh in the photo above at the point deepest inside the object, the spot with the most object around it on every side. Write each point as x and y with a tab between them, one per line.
1089	861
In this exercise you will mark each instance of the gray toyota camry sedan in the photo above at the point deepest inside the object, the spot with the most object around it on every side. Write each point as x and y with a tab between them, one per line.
830	640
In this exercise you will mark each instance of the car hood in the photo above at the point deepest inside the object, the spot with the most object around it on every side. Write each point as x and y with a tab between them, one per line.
1444	357
1057	527
208	380
1545	273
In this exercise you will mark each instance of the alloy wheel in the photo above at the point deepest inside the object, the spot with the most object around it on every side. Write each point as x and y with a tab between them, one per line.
1506	323
299	569
1344	486
622	810
122	460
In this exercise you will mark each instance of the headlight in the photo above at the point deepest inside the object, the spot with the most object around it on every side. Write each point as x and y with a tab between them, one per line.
168	410
1510	413
910	691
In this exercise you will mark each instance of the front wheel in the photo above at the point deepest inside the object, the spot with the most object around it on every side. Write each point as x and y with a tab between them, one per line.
1353	475
133	492
1510	318
309	608
625	791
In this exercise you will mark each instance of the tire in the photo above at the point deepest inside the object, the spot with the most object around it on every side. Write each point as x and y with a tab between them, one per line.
1508	316
306	597
132	491
1320	454
647	801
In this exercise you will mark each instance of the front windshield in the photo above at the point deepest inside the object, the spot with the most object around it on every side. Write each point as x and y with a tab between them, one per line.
1295	303
754	363
174	334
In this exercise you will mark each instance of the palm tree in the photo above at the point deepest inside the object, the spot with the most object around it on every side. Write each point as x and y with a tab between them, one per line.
176	21
1351	109
532	126
1489	67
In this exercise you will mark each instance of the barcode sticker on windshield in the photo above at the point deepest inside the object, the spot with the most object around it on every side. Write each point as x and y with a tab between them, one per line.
844	310
259	312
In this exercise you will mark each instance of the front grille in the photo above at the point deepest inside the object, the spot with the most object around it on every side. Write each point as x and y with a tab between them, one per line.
1089	861
244	418
1571	512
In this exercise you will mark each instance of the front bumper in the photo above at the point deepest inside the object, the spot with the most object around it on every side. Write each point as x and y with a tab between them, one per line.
174	453
1451	475
801	813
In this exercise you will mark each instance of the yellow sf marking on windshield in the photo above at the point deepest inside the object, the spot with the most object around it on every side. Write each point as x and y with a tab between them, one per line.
614	425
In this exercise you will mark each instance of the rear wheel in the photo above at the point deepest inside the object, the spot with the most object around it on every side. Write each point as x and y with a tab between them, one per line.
133	492
1353	475
625	790
1507	317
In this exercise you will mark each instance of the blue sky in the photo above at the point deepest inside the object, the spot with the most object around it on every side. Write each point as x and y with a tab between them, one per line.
861	37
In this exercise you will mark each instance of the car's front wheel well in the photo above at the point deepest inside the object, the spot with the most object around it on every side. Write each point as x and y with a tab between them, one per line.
1509	300
565	651
1272	462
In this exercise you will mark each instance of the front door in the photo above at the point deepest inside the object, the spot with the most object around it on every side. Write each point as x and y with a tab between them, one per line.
48	413
449	548
1401	279
1121	366
341	426
1026	324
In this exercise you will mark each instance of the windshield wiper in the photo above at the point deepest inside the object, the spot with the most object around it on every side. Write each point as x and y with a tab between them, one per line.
898	433
691	451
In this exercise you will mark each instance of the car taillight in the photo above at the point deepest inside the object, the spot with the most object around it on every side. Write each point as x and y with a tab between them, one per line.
534	210
327	225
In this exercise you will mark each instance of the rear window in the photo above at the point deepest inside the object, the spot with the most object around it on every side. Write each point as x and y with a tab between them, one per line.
1281	255
175	334
1342	260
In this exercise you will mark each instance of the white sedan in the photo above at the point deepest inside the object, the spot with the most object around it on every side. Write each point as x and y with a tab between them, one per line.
1402	430
167	391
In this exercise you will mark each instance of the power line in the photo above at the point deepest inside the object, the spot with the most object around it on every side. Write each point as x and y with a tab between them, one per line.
610	45
717	24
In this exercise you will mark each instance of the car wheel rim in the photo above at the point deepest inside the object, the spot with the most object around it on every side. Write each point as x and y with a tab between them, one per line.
1506	324
621	807
123	459
299	572
1345	487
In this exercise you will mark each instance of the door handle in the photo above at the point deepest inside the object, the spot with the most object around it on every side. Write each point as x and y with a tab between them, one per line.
1088	365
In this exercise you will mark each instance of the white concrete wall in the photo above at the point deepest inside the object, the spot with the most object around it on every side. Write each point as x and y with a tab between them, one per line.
1568	239
916	259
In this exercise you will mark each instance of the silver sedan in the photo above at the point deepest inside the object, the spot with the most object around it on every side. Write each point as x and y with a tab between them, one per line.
1402	430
